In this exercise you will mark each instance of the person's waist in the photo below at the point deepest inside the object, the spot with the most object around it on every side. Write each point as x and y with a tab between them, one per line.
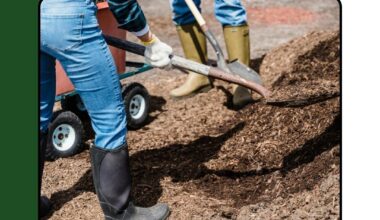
70	2
66	4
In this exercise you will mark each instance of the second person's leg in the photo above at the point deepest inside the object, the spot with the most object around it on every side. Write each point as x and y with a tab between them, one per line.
194	45
232	15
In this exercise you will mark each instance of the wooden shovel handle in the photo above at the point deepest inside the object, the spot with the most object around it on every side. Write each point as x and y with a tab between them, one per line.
219	74
190	65
194	10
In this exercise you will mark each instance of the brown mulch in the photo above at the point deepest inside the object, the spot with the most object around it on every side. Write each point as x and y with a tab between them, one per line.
208	161
304	68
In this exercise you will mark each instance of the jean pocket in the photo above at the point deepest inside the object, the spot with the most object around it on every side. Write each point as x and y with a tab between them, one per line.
61	32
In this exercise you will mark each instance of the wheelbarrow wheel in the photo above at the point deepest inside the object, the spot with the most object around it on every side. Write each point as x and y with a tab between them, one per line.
137	104
74	104
65	135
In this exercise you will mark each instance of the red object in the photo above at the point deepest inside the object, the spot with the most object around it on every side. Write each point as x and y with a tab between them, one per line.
108	24
280	15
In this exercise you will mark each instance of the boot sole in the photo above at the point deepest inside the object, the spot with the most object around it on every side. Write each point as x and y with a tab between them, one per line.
202	89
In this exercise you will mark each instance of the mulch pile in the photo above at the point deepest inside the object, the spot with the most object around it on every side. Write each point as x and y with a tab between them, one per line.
265	161
305	68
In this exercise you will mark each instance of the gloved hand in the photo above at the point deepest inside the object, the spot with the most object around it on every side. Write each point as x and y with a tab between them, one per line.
157	53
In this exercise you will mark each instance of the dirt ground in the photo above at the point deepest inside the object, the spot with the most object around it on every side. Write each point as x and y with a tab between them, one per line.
269	160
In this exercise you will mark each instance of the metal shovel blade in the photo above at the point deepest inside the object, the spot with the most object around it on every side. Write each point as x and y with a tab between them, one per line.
244	72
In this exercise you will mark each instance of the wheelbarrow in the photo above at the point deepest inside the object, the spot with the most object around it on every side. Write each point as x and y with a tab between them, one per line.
66	130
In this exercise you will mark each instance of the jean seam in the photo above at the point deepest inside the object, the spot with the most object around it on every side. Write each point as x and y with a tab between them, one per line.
116	90
116	95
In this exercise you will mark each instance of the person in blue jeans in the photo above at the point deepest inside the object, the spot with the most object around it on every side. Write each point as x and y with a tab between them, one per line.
70	33
233	17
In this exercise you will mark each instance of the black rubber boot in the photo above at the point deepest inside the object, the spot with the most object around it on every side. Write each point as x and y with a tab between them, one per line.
112	180
44	205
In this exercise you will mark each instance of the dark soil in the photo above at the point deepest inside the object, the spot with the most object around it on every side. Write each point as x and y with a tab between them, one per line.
265	161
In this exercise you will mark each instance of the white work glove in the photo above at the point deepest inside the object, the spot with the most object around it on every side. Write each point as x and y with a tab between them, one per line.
157	54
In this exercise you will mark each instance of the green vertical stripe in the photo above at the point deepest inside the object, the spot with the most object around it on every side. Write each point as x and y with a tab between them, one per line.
19	109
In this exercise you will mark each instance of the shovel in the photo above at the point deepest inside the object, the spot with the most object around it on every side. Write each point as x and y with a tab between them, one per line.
234	67
182	63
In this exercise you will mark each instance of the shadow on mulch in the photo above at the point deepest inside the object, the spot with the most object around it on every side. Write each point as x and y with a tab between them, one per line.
256	63
58	199
303	155
181	162
184	163
150	166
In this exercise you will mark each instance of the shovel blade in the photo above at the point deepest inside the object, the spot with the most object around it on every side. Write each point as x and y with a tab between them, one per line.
244	72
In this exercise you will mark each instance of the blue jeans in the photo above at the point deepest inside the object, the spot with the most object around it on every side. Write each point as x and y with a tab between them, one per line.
70	33
227	12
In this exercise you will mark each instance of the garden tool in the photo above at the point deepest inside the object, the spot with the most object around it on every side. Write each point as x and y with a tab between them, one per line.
185	64
234	67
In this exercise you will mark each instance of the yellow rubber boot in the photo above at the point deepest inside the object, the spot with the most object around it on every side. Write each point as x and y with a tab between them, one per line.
238	47
194	45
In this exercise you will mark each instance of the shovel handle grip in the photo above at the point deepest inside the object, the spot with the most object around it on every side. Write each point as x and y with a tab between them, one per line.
194	10
125	45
